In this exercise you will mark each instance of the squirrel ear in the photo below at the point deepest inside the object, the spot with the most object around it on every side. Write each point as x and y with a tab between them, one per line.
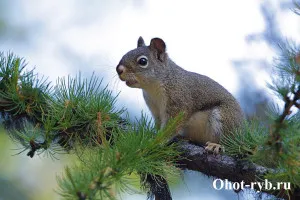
159	46
140	42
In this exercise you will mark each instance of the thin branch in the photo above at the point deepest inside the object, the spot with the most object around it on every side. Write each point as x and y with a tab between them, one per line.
289	103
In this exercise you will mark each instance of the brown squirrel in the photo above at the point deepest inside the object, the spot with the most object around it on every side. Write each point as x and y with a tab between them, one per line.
210	110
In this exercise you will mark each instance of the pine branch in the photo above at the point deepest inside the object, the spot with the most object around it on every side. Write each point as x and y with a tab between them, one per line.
289	103
136	150
42	117
221	166
288	68
227	167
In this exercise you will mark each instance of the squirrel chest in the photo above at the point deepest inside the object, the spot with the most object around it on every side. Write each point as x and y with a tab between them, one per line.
156	100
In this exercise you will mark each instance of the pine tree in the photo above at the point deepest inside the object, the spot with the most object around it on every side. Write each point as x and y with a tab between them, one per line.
78	116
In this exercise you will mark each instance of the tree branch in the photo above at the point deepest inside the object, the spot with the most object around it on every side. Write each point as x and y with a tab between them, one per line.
221	166
196	158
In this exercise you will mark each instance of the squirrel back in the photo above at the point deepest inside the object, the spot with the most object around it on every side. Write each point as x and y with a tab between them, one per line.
210	110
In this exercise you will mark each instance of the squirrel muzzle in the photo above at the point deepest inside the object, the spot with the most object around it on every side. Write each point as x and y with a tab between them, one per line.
129	78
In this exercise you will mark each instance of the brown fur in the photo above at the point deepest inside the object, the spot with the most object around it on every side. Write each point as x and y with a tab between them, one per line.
210	110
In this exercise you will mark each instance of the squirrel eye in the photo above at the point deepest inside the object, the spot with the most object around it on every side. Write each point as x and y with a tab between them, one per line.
142	61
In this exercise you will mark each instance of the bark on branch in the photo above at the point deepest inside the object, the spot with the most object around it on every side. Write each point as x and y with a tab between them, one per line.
226	167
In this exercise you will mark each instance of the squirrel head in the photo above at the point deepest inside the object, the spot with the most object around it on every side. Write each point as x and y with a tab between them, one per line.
142	66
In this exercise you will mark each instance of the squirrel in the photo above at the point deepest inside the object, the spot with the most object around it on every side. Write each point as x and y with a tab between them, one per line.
209	109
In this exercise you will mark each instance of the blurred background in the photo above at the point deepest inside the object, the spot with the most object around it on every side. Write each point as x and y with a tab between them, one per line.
234	42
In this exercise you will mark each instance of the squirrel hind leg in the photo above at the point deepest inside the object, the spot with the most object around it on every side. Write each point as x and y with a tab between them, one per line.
215	128
204	126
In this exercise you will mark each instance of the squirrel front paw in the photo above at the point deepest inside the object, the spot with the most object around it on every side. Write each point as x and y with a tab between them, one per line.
214	148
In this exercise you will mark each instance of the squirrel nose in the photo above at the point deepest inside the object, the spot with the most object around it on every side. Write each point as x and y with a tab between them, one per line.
120	69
